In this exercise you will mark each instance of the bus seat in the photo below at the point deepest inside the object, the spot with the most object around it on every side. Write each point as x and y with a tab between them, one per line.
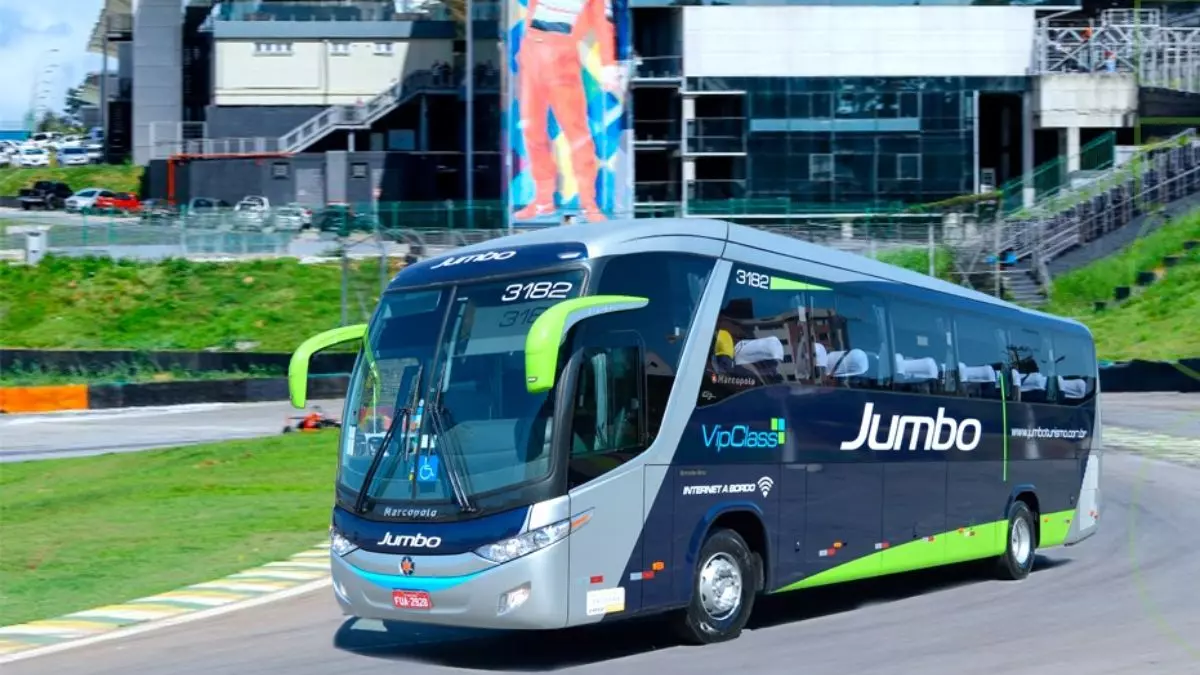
1073	388
847	364
916	370
1033	386
820	360
758	350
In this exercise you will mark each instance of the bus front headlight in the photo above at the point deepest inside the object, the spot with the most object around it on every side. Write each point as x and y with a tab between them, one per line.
339	544
524	544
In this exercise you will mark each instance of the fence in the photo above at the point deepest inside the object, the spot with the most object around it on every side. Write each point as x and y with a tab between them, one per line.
1053	177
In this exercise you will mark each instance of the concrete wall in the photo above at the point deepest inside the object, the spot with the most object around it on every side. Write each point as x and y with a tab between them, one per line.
317	72
315	179
256	121
1085	100
848	41
157	68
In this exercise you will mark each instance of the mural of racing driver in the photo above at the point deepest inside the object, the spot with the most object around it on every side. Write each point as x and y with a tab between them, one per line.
550	80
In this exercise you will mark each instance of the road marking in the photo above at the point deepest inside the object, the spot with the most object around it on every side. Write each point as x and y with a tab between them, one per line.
305	572
1160	446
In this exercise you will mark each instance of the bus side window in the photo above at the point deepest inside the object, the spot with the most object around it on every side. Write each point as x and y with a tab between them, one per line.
608	425
982	357
1032	371
864	361
1076	366
924	354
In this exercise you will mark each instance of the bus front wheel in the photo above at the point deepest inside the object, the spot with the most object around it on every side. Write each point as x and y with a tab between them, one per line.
723	590
1017	561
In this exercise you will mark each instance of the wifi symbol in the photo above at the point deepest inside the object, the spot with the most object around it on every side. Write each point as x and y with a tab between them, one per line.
765	484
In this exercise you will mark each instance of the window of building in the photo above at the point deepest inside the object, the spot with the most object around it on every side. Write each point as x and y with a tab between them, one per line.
1076	366
982	356
280	169
924	350
339	48
359	170
820	167
384	48
273	48
908	166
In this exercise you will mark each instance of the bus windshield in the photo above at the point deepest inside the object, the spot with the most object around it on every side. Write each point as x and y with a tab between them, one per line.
447	367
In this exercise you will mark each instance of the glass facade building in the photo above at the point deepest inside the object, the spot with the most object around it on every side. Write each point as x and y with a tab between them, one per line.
850	142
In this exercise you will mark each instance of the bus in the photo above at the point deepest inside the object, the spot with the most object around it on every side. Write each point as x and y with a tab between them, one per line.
586	423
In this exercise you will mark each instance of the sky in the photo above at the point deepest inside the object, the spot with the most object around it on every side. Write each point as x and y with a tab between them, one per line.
28	30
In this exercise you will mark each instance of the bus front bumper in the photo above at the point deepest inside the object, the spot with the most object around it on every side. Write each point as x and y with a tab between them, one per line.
530	592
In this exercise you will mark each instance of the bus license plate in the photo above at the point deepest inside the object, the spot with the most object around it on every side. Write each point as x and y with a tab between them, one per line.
411	600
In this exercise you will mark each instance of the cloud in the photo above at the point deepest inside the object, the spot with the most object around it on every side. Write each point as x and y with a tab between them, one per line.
29	30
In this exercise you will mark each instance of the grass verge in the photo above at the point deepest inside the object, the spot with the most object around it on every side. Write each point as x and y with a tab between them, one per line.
101	530
116	177
1160	322
35	376
99	303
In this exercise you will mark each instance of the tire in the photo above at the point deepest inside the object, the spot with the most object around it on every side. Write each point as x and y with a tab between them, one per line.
1020	547
705	620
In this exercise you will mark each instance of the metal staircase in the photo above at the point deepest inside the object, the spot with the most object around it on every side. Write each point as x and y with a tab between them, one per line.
1125	41
351	117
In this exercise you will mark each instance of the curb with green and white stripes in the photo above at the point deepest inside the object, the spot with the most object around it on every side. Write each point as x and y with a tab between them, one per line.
305	570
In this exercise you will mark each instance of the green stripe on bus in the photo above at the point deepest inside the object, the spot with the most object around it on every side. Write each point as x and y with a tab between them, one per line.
781	284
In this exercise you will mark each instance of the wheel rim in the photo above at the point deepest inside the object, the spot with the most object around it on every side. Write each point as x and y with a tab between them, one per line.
720	586
1021	542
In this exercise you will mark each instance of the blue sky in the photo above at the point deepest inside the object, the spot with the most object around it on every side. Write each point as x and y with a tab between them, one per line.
28	30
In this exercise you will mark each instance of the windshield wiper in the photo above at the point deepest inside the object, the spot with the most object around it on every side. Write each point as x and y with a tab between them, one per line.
455	471
401	421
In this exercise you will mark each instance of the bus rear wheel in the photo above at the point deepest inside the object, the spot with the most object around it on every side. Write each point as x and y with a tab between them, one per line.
1021	545
723	591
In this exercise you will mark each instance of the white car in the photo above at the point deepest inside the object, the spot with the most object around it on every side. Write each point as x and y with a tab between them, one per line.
73	156
42	139
85	199
33	157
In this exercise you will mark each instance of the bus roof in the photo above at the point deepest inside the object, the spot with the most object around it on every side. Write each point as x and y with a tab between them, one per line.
651	234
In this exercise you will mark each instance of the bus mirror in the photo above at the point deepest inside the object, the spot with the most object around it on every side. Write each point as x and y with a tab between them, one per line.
298	367
548	332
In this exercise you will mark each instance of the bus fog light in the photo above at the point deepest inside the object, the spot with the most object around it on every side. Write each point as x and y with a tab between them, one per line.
513	599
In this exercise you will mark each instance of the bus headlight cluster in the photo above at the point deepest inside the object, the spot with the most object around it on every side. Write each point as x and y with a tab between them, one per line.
524	544
339	544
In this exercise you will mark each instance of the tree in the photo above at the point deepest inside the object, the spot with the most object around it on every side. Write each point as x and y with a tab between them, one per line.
74	102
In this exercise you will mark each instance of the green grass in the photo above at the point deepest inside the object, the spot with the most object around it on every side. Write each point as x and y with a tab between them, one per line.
1160	322
108	529
98	303
22	375
116	177
917	260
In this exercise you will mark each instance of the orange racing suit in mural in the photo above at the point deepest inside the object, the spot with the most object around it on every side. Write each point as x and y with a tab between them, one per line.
550	81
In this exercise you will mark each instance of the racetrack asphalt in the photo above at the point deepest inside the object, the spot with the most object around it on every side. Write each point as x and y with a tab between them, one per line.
1124	601
96	432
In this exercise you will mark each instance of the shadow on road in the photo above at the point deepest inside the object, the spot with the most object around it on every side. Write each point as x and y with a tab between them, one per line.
534	651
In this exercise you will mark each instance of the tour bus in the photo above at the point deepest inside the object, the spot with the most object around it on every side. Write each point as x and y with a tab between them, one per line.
586	423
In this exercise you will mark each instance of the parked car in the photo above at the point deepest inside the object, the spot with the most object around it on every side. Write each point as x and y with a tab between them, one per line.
205	212
119	202
31	157
44	194
158	210
73	156
42	139
85	200
253	212
293	217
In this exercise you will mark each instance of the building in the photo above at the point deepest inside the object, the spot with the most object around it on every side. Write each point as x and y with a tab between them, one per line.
752	108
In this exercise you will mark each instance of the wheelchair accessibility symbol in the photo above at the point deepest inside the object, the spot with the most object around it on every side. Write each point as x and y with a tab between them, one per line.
427	469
